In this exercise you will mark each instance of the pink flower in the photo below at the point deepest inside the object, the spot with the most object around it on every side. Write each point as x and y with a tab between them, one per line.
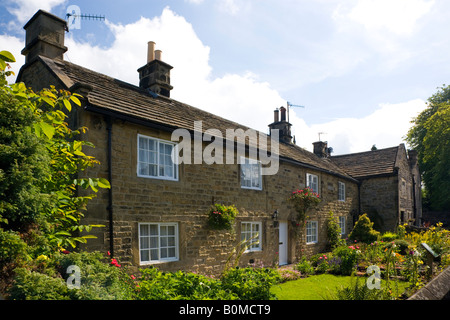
320	258
132	277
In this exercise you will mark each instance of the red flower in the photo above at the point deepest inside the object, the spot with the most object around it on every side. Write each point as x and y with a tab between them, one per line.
115	263
132	277
65	252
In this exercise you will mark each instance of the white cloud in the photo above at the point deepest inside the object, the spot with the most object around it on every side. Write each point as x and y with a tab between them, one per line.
15	46
399	16
385	127
25	9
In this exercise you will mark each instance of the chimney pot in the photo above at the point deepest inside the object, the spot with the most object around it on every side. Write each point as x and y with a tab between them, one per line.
158	55
275	115
283	113
150	51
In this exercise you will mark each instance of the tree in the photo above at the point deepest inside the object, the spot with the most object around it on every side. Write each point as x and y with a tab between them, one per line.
40	160
23	156
430	137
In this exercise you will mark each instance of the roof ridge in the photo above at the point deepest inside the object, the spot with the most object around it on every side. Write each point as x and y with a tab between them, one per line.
365	152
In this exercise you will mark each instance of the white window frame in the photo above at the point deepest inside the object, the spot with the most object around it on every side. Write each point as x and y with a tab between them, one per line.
245	235
342	222
159	243
248	161
159	143
312	181
312	232
341	191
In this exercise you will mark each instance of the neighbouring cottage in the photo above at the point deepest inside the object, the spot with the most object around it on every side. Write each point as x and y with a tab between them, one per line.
390	185
156	211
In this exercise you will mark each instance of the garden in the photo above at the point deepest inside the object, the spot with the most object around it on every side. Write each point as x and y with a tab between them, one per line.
392	266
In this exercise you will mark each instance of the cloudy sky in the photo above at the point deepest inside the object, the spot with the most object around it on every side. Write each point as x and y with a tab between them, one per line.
362	69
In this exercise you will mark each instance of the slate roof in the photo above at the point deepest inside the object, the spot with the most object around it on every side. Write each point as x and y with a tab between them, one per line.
368	164
124	99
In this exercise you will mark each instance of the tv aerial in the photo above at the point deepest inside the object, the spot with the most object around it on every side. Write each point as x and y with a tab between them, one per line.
291	105
74	17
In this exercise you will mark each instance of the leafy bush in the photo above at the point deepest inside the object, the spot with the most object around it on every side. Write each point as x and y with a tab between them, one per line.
305	266
99	280
222	217
348	259
156	285
12	248
333	231
251	283
363	230
388	236
32	285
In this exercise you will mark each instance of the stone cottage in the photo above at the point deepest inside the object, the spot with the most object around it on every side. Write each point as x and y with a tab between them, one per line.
156	210
389	185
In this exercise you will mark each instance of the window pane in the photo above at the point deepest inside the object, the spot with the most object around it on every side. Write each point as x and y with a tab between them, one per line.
143	229
145	255
154	242
154	229
145	244
143	143
154	254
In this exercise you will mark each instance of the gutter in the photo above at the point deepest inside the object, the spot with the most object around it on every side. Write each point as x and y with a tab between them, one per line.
109	121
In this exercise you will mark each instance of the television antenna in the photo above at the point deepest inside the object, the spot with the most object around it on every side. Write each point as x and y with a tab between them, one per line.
320	134
74	17
292	105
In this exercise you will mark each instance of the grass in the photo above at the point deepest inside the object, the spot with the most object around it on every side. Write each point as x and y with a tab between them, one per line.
317	287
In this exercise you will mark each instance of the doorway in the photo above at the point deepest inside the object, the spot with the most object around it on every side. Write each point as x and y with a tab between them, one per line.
283	243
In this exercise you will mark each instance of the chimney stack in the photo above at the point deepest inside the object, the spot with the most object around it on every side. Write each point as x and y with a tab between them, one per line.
155	75
282	125
321	149
44	36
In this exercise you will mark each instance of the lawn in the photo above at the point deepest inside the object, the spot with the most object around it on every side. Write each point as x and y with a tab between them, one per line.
317	287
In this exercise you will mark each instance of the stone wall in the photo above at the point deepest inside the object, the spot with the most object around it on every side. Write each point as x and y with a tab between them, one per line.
188	200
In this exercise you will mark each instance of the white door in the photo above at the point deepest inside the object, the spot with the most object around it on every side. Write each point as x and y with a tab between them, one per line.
283	243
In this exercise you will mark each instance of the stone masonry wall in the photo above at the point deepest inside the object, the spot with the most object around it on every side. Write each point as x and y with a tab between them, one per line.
187	201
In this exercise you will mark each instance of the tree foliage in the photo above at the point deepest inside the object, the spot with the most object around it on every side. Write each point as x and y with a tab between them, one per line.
430	137
40	161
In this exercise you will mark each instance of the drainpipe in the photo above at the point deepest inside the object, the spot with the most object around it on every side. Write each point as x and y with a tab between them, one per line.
110	197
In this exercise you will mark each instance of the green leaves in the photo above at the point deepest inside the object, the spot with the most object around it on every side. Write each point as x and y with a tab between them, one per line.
5	56
44	160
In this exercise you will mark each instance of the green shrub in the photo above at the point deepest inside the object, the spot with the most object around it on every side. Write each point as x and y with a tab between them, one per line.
32	285
251	283
347	257
12	248
333	231
100	279
156	285
305	267
388	236
363	230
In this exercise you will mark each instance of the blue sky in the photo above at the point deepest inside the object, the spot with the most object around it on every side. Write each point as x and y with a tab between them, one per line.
361	68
